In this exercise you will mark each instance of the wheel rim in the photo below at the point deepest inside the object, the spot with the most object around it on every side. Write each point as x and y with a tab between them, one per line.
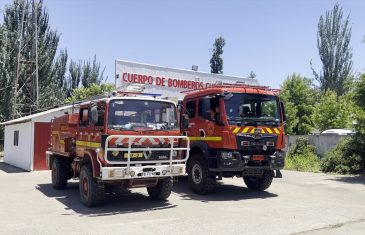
197	174
85	186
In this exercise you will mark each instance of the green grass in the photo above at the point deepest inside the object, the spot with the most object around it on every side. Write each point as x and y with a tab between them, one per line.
305	163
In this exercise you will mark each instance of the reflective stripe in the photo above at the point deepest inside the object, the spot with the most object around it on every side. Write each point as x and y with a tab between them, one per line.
252	131
269	130
245	130
87	144
276	130
237	129
208	138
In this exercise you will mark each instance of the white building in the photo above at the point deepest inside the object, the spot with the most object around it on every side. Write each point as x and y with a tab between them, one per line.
26	139
169	82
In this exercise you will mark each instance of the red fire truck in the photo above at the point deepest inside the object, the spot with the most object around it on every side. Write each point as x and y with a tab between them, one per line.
130	140
234	131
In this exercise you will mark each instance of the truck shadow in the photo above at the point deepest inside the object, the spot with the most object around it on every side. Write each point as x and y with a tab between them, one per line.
117	201
224	192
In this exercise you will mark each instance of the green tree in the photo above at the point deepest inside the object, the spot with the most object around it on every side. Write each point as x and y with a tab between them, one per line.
88	92
332	112
216	62
349	154
91	73
333	42
299	98
19	21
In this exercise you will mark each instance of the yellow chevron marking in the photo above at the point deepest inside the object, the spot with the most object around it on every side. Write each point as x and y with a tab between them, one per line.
245	130
236	130
276	130
252	131
269	130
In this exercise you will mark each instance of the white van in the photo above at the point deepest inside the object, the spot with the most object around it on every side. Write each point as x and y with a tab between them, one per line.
338	132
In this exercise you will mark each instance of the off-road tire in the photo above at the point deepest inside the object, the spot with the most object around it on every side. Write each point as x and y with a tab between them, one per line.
162	190
60	173
201	181
91	193
259	183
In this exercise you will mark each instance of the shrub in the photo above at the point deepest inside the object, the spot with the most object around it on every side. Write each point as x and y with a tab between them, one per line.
302	157
343	158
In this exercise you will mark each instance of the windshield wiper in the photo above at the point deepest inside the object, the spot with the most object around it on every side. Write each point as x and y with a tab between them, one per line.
274	122
244	121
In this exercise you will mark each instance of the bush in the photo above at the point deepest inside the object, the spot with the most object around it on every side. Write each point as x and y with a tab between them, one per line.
302	157
343	158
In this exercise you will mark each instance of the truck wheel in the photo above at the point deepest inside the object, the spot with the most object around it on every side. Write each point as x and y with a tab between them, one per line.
259	183
90	192
200	179
59	173
162	190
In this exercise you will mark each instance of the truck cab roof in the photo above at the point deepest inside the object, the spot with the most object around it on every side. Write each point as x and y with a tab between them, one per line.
222	89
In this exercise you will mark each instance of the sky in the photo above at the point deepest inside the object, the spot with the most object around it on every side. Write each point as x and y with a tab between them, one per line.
272	38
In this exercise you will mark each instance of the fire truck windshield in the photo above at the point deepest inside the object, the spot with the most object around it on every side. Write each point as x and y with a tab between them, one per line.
141	115
252	109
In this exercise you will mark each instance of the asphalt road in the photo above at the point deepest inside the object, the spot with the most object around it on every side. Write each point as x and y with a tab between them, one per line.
300	203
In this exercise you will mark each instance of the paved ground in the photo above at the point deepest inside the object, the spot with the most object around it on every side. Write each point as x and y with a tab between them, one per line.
300	203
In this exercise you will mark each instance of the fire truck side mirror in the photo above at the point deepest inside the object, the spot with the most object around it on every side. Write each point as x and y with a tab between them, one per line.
283	110
94	114
184	122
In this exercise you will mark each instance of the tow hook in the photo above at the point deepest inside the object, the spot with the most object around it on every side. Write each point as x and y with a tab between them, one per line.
278	174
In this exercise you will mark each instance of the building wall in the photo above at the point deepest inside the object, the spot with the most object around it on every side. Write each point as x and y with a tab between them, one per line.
323	143
21	155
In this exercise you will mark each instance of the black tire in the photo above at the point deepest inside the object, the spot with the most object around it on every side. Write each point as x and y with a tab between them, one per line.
259	183
60	173
91	193
201	181
162	190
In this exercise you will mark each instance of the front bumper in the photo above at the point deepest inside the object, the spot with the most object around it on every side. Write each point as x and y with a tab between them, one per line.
234	161
139	172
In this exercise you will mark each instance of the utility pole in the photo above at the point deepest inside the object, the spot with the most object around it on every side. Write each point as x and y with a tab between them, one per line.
20	45
27	74
35	10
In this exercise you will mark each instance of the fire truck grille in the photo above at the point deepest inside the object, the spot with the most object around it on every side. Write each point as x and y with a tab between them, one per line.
139	156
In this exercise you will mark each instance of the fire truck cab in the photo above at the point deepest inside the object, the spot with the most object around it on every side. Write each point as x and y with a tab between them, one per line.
126	140
234	131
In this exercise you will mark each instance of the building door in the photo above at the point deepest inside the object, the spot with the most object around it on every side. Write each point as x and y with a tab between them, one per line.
42	133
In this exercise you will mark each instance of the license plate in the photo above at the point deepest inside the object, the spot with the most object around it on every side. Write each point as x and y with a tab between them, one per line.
134	155
258	158
148	174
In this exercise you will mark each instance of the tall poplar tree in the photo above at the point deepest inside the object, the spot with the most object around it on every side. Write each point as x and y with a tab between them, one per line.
333	42
216	62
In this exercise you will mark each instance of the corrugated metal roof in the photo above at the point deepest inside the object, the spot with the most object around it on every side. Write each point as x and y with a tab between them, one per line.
30	117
